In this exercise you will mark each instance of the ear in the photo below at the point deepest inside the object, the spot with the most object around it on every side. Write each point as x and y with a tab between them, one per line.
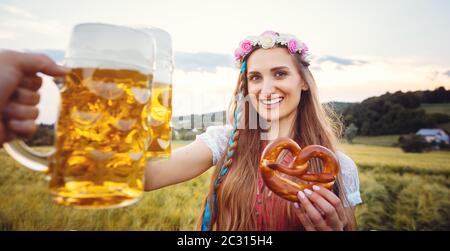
304	85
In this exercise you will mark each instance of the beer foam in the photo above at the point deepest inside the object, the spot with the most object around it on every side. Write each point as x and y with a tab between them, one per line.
105	46
164	56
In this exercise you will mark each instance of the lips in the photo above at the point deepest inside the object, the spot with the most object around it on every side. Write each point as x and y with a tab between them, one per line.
271	102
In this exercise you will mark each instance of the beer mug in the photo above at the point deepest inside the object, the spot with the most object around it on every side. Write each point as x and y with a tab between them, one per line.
160	113
101	132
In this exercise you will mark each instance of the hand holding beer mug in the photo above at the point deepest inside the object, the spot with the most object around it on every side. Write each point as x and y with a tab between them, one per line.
101	132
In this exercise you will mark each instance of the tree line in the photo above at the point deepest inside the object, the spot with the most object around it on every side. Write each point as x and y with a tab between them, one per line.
396	113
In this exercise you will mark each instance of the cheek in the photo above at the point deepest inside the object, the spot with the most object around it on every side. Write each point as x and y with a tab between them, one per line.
252	93
253	89
293	95
253	100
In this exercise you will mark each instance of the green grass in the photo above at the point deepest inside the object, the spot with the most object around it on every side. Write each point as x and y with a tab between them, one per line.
445	126
385	140
436	108
401	191
25	205
385	158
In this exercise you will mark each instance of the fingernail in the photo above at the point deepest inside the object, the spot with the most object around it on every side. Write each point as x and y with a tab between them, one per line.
301	194
316	188
296	205
307	191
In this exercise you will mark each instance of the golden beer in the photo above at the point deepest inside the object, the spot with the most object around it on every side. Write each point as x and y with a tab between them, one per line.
159	120
102	131
101	138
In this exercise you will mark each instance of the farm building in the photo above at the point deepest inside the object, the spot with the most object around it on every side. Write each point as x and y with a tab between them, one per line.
437	136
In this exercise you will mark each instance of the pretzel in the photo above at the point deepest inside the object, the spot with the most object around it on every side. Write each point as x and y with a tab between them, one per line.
298	167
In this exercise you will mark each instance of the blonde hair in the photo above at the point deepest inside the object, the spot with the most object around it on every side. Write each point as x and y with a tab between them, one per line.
314	124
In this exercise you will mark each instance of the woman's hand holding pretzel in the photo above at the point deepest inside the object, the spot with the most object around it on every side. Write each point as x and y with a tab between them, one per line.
317	207
320	209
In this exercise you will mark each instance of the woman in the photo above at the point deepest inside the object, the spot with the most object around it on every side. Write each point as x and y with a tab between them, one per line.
276	85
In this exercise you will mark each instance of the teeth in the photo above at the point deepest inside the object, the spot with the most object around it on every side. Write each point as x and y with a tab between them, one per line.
271	101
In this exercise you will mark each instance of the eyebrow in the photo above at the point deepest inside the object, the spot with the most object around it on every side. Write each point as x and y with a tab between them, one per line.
272	70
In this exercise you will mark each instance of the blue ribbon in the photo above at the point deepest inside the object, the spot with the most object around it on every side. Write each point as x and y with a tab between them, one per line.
206	221
243	67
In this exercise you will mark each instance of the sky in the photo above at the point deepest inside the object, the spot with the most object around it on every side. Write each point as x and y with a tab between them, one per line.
360	48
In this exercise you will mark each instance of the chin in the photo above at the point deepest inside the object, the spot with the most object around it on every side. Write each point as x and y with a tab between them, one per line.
272	116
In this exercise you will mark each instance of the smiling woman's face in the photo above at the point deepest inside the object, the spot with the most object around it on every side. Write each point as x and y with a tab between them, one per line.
274	83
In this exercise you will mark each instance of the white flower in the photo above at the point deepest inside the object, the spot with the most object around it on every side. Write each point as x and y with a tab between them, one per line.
283	39
267	42
254	39
307	57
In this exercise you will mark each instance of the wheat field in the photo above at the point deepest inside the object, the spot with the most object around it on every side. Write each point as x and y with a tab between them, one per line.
401	191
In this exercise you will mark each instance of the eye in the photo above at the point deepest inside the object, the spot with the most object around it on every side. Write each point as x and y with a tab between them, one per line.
280	74
254	77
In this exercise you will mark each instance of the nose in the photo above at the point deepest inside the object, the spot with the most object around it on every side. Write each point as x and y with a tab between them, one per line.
267	88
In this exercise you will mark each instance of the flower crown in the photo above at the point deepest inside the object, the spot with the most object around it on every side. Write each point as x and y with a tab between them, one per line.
270	39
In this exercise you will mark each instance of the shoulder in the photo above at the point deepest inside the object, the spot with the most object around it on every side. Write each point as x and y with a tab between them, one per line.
216	138
216	133
218	130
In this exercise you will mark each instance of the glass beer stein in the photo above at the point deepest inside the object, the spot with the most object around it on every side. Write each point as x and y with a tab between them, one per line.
160	109
101	132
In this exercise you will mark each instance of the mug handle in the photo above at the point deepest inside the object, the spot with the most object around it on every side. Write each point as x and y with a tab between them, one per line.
26	156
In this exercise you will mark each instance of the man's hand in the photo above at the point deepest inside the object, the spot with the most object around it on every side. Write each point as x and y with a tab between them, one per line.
19	85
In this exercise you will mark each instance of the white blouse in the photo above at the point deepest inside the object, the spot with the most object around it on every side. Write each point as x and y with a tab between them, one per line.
216	138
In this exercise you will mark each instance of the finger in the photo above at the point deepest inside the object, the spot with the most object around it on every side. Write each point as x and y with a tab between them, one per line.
26	97
32	83
334	200
10	135
32	63
331	215
20	112
23	128
311	211
9	80
303	217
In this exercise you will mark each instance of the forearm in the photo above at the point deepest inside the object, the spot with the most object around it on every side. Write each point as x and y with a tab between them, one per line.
184	164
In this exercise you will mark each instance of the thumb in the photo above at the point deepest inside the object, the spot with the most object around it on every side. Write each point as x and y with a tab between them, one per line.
32	63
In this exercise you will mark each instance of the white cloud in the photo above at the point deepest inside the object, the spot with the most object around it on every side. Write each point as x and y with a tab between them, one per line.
19	29
7	34
357	82
16	11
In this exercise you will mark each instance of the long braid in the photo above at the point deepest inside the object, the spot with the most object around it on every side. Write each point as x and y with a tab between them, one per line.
232	144
231	149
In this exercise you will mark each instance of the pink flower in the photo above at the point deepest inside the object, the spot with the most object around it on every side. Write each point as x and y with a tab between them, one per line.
293	46
238	53
304	48
246	46
269	33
